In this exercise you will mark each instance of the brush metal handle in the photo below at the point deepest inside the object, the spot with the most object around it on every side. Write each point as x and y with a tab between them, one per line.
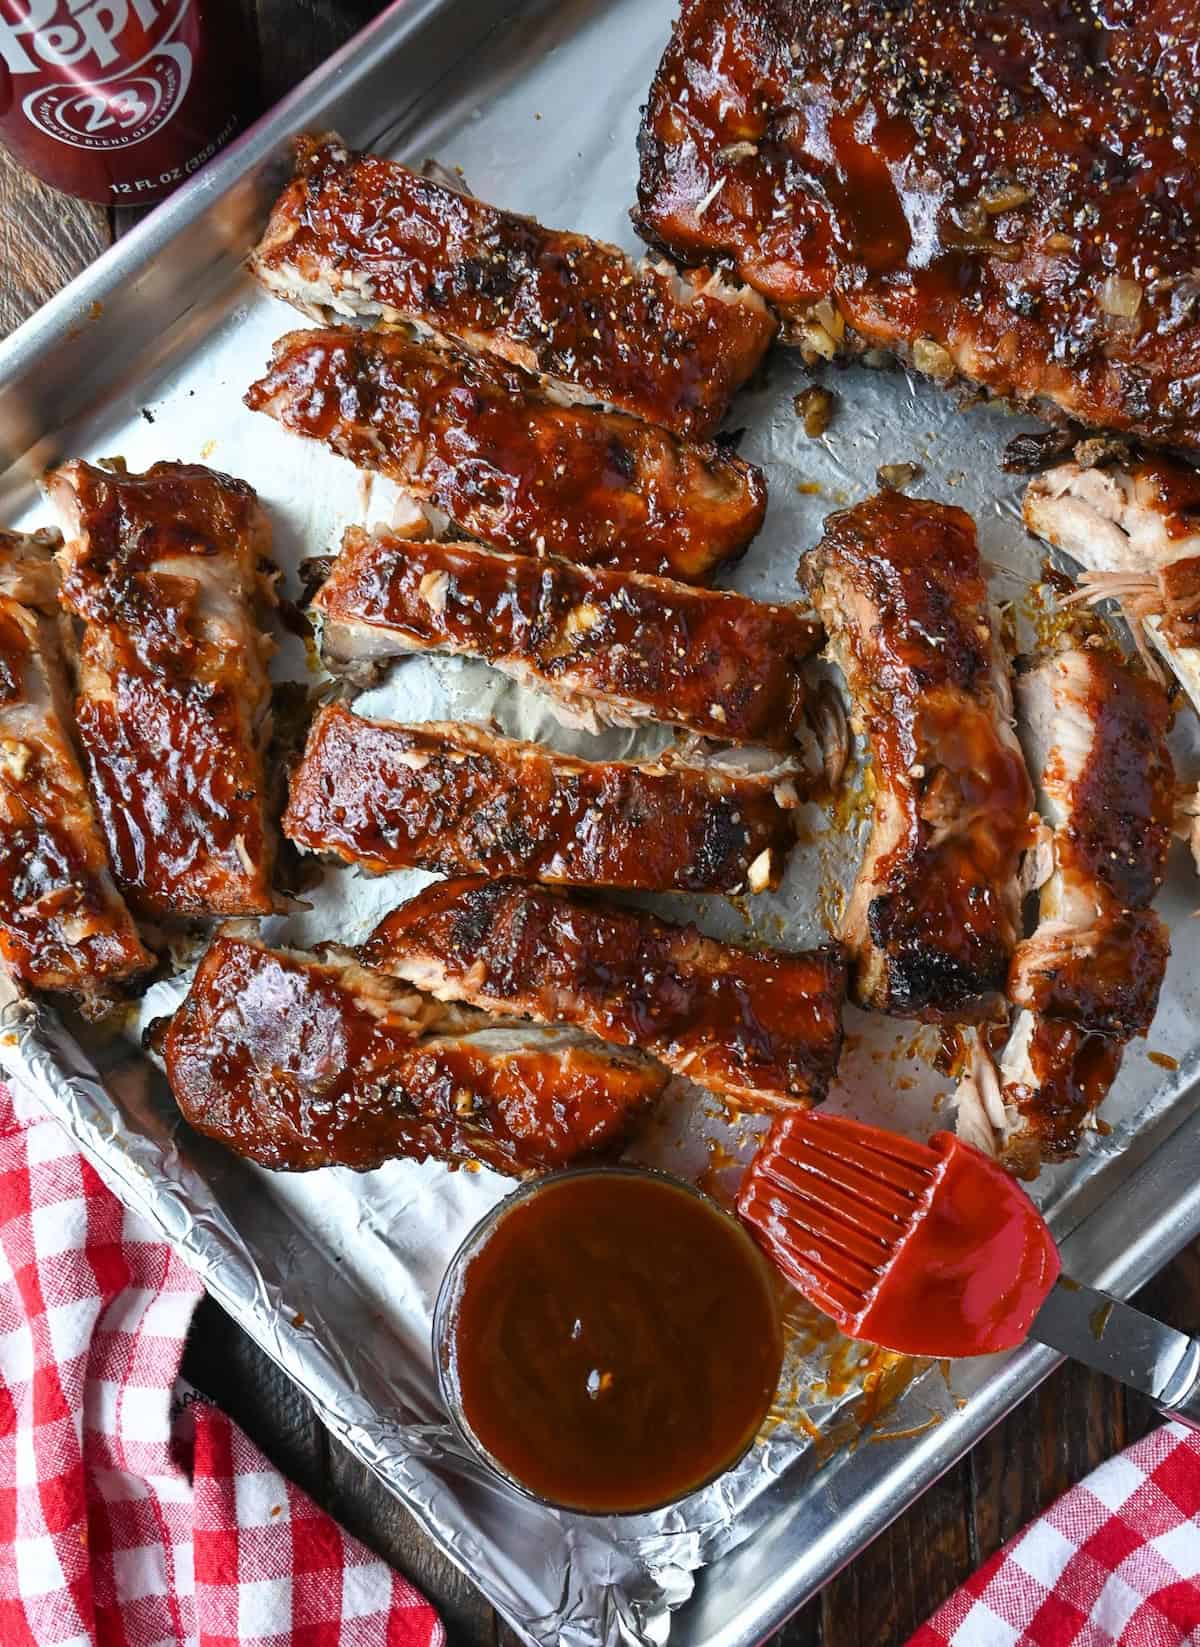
1126	1344
1182	1399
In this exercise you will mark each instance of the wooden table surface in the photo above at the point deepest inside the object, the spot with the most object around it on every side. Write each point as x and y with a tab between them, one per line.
1071	1424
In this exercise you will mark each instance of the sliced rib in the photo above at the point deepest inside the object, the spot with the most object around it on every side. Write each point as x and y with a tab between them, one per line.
298	1062
762	1027
610	648
507	463
168	574
933	918
63	924
457	799
1088	979
355	234
1006	193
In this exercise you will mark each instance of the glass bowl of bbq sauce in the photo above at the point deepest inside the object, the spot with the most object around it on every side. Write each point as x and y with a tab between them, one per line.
608	1340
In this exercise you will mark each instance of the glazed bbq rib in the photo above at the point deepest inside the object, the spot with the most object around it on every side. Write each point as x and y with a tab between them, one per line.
298	1062
763	1027
1087	981
609	648
63	924
1006	192
457	799
167	573
355	234
933	918
508	463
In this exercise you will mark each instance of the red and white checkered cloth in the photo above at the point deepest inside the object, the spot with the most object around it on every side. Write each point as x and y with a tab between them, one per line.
1115	1560
133	1513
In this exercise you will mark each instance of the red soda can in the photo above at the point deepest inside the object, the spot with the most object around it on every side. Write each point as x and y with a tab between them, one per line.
120	101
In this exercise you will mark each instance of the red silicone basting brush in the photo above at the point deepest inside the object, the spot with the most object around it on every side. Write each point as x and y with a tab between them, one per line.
932	1249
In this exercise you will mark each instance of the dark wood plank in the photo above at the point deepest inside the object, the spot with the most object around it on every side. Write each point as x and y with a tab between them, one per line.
506	1636
1067	1428
365	1508
910	1569
1071	1424
294	38
803	1629
46	239
244	1382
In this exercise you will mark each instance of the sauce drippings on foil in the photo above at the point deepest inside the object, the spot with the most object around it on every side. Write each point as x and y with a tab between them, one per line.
616	1342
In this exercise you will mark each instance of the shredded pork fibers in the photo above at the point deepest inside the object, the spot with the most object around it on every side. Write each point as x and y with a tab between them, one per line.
1134	528
1135	531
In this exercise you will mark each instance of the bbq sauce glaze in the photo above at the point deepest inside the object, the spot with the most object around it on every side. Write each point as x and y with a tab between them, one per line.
613	1343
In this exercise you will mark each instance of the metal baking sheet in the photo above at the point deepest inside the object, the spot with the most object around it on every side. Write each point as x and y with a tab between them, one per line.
147	356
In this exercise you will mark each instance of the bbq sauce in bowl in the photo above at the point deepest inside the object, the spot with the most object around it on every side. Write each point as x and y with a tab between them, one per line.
608	1340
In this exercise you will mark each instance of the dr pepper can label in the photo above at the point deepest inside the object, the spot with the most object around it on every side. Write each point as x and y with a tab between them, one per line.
120	101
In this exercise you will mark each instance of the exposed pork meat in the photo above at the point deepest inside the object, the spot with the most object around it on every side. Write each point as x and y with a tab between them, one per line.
1009	192
1135	529
609	647
355	234
63	924
168	575
507	463
297	1063
457	799
1087	981
934	914
762	1027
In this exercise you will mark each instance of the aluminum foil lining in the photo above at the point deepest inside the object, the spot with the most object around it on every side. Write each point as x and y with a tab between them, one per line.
336	1274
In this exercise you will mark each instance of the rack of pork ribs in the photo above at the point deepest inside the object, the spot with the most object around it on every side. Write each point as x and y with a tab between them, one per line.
552	405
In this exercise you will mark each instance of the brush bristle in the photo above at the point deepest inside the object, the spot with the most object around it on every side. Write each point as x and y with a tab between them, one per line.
834	1203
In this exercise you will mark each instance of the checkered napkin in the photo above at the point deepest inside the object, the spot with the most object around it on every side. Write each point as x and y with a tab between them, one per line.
132	1513
1115	1560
